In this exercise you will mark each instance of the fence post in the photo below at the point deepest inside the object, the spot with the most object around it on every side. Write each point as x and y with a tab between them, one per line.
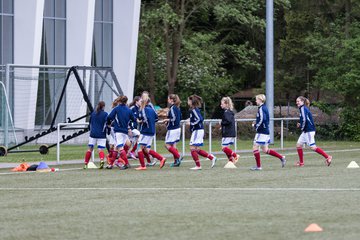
210	137
6	114
183	139
282	134
58	144
235	143
155	142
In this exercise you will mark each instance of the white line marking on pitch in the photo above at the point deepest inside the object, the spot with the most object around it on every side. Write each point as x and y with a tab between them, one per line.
193	189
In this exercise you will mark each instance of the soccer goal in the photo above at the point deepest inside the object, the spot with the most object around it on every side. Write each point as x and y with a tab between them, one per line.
8	135
44	96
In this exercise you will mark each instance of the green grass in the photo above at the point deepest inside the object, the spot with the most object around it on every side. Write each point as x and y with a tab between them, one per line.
181	204
73	152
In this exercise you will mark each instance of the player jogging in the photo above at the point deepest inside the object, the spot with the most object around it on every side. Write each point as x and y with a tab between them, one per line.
148	118
173	128
307	136
197	133
121	115
97	133
228	131
262	137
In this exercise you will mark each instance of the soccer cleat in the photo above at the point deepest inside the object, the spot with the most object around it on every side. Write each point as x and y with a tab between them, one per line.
283	161
151	164
85	166
176	163
195	168
109	167
132	155
299	164
213	161
140	168
119	164
101	164
236	159
328	160
124	167
162	162
255	168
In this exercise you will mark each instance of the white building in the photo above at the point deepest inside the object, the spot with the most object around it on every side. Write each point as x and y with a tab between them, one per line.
70	33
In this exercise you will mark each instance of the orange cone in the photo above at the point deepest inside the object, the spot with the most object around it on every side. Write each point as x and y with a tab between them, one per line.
21	168
313	228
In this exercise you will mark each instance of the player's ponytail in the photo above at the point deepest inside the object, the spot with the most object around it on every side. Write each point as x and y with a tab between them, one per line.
304	100
196	101
175	98
133	103
100	106
307	102
123	100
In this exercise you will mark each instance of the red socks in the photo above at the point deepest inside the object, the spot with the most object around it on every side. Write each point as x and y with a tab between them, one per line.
195	156
146	154
101	155
134	148
87	156
229	153
141	158
274	153
123	156
301	154
126	148
257	158
204	154
320	151
155	155
174	152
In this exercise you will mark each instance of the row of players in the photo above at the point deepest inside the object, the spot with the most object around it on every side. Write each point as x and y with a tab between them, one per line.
137	122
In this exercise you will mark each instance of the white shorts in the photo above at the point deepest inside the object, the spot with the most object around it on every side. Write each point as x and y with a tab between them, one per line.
145	140
197	138
173	136
100	142
226	141
112	137
307	138
121	139
262	139
135	133
133	137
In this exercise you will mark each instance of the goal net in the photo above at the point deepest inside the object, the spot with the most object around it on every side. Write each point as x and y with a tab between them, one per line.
44	96
7	129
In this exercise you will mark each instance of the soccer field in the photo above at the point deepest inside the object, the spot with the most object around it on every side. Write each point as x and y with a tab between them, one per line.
178	203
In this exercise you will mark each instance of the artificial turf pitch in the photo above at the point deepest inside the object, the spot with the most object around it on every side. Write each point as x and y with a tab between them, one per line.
177	203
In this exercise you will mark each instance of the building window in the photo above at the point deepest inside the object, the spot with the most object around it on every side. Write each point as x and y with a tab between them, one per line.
103	34
6	31
53	46
53	52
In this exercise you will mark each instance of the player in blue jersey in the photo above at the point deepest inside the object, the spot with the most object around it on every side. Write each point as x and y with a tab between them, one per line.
121	116
148	118
197	132
135	133
262	137
228	130
97	133
173	128
307	136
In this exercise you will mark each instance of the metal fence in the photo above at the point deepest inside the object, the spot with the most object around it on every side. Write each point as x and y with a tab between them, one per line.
211	122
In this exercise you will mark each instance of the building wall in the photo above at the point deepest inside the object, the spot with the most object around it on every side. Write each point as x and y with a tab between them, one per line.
28	26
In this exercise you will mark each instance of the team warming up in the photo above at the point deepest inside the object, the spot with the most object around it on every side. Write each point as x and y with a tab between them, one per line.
129	130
